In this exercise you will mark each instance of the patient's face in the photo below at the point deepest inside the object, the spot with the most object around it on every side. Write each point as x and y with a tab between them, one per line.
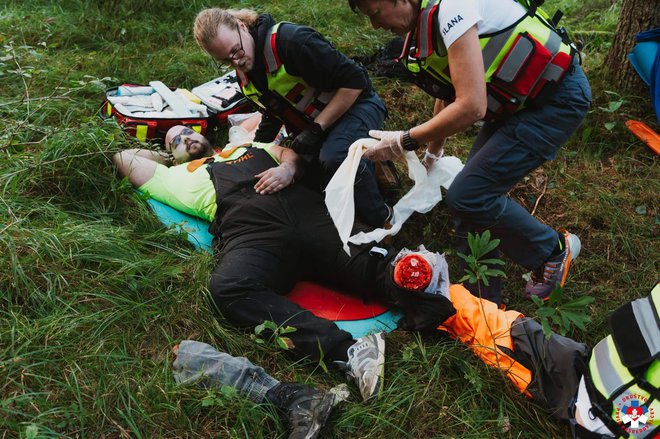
186	144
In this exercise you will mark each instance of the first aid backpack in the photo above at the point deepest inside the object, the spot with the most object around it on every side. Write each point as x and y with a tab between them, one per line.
148	111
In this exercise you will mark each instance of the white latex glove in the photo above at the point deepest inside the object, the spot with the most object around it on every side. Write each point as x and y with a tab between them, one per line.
274	179
388	148
430	159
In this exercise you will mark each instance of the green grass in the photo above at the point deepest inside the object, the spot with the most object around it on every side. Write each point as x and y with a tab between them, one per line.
94	292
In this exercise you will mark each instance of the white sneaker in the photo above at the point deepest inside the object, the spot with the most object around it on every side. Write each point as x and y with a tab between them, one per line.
366	364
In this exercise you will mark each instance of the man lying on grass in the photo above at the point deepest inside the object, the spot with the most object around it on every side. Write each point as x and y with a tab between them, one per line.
609	392
274	232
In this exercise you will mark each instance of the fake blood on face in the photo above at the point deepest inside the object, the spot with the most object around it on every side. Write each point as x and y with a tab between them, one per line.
413	273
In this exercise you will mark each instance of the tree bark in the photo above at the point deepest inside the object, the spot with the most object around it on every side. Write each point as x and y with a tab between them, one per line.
636	16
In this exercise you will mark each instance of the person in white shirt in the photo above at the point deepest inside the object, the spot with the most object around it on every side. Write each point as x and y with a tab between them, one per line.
498	61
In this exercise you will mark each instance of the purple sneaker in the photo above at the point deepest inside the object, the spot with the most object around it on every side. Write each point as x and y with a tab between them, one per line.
555	270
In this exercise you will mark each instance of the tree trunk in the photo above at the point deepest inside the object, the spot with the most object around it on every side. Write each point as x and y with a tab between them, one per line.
636	16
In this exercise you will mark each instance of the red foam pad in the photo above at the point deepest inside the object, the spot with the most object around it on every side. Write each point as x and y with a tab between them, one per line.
332	304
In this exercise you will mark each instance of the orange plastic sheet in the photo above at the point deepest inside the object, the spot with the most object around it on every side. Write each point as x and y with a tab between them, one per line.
645	134
483	327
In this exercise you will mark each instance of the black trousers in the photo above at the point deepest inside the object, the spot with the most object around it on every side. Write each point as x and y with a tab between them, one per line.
259	265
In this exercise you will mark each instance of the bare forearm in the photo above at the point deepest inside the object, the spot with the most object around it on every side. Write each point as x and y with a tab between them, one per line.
453	119
436	146
161	157
294	161
139	165
288	158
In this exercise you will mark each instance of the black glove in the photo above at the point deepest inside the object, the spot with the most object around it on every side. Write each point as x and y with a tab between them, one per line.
268	129
423	311
309	141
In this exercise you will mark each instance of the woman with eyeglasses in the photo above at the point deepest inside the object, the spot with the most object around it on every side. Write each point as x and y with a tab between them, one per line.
297	78
508	64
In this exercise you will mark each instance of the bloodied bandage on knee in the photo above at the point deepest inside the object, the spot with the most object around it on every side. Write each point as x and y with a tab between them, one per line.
421	271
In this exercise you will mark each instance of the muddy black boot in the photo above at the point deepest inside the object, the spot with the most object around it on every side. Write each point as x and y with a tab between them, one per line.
306	409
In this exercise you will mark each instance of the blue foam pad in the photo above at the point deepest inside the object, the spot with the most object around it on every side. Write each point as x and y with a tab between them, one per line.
198	234
196	228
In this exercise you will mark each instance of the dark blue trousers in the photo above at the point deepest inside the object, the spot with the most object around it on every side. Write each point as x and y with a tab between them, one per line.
502	154
368	113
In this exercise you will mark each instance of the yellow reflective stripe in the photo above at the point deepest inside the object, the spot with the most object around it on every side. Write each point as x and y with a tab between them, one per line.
108	109
435	66
196	128
655	296
607	372
141	132
653	374
251	93
281	83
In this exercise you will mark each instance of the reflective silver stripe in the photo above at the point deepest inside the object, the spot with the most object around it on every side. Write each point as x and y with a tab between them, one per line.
647	323
552	73
493	104
494	46
604	367
406	48
306	99
508	70
325	97
269	54
554	43
242	78
424	32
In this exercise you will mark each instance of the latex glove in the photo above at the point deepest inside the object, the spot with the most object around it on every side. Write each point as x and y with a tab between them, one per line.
274	179
388	148
430	159
309	141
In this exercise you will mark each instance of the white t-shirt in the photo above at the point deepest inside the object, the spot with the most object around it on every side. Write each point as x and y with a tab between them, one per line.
455	17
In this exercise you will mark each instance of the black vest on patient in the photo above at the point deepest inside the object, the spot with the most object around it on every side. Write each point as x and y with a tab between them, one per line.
244	216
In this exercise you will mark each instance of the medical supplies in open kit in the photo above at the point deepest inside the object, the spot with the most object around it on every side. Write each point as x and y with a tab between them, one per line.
147	112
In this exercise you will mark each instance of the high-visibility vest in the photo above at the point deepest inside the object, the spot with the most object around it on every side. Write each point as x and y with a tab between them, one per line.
624	370
523	63
304	100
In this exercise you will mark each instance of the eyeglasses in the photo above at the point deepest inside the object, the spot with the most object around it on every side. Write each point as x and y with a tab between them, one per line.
176	140
236	53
